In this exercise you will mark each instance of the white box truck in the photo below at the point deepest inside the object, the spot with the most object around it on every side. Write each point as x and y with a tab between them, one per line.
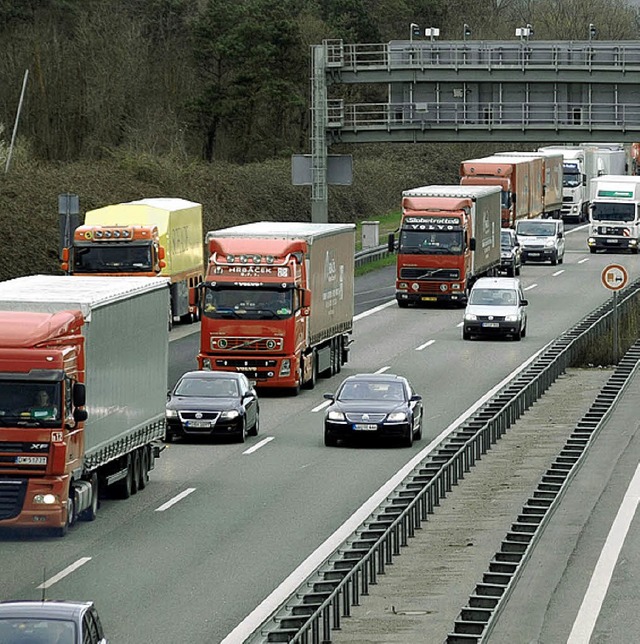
615	214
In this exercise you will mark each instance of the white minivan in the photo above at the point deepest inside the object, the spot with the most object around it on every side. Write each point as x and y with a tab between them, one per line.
541	240
496	306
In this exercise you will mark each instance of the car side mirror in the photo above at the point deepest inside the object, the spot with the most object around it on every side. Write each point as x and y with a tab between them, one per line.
328	396
524	302
416	398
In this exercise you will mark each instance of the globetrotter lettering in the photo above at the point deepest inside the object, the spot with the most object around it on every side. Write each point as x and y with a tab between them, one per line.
417	223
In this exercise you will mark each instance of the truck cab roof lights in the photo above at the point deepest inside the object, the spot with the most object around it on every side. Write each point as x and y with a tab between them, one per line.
252	259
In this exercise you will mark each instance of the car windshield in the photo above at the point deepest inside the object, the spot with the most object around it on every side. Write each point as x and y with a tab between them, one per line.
493	297
536	228
36	631
207	387
371	390
506	240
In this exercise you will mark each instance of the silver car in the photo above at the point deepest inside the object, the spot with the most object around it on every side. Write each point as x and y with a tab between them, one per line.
496	306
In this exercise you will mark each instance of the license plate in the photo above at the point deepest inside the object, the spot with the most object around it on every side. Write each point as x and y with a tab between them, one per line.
31	460
426	298
198	424
365	428
534	254
612	241
491	325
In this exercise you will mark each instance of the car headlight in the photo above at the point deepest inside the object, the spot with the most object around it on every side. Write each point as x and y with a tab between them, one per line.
230	415
397	416
171	413
512	318
470	317
549	243
335	415
574	208
633	242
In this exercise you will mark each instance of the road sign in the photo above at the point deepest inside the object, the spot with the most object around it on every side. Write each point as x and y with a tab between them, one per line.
614	277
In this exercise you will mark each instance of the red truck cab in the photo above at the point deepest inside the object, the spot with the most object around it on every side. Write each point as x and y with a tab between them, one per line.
41	442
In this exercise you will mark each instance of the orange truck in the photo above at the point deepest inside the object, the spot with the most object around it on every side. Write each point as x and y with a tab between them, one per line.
159	237
278	301
550	166
449	237
82	396
519	178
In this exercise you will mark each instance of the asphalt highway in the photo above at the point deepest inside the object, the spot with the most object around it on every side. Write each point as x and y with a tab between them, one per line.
224	530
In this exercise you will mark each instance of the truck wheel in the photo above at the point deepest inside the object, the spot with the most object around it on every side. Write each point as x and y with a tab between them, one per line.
311	383
518	270
122	489
144	468
89	514
135	471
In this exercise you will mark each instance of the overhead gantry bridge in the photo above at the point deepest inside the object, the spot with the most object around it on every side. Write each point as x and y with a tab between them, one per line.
460	91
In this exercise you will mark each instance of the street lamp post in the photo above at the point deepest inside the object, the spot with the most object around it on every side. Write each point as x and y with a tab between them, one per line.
414	30
466	31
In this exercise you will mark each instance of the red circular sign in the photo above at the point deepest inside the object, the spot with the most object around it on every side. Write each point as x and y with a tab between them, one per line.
614	277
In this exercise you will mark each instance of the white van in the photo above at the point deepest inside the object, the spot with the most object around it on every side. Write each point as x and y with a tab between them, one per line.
541	240
496	306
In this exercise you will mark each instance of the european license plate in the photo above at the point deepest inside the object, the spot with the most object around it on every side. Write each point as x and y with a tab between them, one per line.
31	460
365	428
491	325
612	241
428	298
534	254
198	424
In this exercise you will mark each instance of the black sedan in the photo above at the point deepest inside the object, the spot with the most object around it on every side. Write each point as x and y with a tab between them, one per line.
212	403
50	622
374	405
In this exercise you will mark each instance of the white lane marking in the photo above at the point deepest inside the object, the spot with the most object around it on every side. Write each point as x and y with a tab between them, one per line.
63	573
582	261
175	499
530	287
254	619
257	446
601	578
460	324
322	405
557	273
382	369
375	309
428	343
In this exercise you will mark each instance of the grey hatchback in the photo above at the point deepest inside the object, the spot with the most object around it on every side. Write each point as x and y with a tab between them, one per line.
50	622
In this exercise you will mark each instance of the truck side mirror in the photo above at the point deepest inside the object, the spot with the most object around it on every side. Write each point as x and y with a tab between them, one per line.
64	255
391	243
161	253
79	394
584	179
306	298
472	243
80	415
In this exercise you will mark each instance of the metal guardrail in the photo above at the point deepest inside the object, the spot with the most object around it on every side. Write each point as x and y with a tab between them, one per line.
368	255
319	604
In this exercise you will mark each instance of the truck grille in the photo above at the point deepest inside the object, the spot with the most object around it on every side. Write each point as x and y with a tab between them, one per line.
438	274
12	493
620	231
252	369
246	344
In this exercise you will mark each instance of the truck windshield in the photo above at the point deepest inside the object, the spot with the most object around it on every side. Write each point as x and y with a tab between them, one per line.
116	258
611	211
571	179
248	303
29	403
445	242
